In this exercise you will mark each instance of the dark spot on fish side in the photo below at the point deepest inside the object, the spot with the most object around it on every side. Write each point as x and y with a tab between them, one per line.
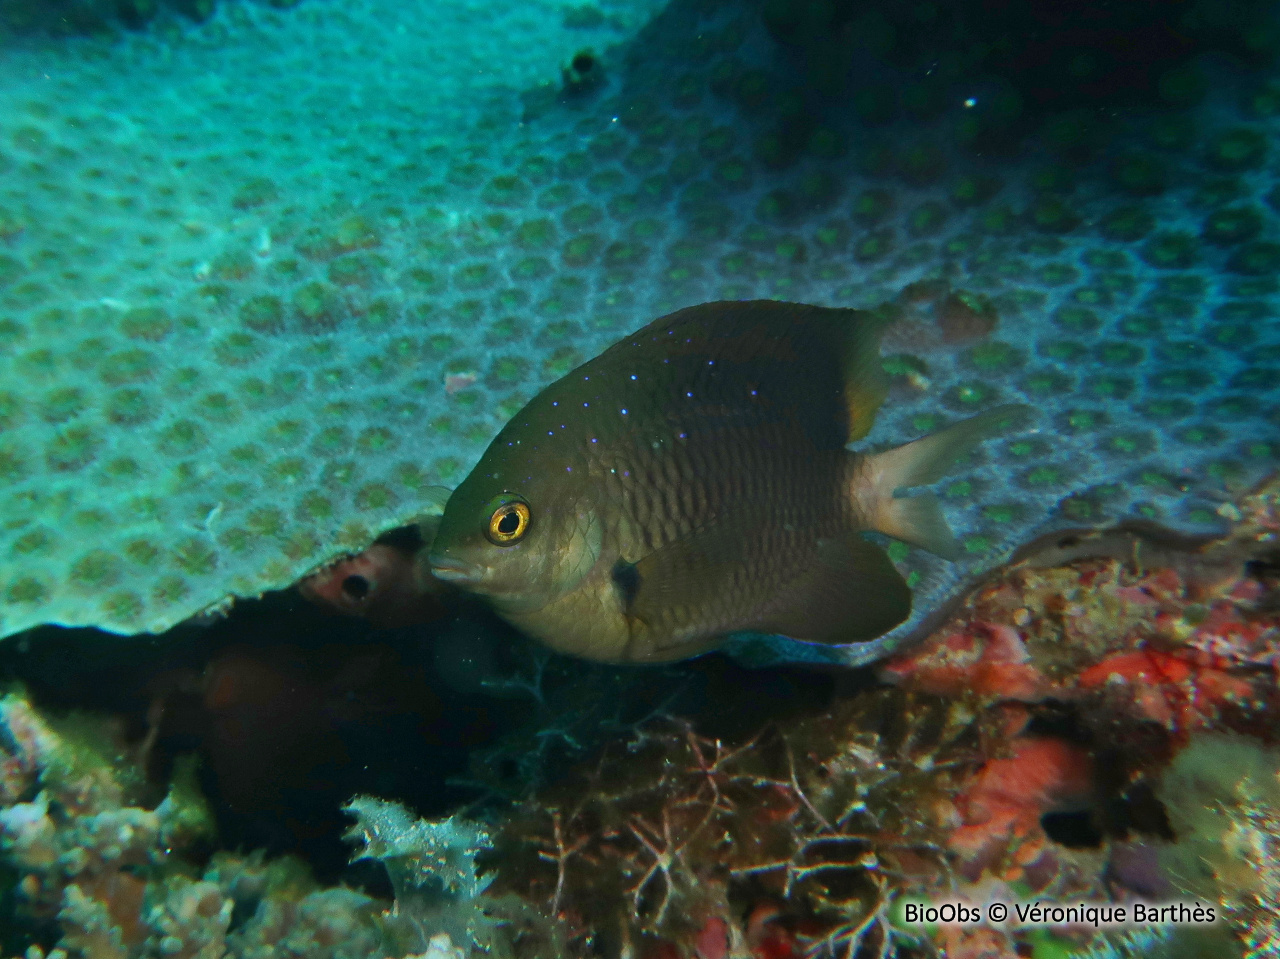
356	587
627	579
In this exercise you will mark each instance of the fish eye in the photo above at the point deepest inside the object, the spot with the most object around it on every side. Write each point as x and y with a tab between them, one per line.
508	522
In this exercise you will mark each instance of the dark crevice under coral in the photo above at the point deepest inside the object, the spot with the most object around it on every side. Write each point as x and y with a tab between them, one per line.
293	712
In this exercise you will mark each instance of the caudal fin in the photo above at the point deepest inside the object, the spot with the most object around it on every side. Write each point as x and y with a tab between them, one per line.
918	519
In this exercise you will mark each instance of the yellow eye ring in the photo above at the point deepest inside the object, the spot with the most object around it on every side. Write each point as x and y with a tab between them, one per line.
509	523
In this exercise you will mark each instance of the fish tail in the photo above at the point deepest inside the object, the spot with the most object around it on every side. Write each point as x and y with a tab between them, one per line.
919	519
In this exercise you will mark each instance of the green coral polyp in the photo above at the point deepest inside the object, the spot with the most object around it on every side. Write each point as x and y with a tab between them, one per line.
926	422
995	357
142	552
376	440
233	265
872	206
1046	383
1127	224
1129	444
972	190
1042	476
1186	380
1110	387
237	349
263	314
1053	214
1234	407
581	250
375	496
195	557
1141	174
1003	512
62	404
536	234
581	217
123	607
150	323
1026	449
1232	225
474	276
625	255
289	470
1119	354
971	395
506	191
1171	250
317	306
287	432
1064	351
97	569
72	448
1077	319
1259	378
26	590
182	438
1237	150
1257	258
1200	434
1261	450
127	366
34	542
313	507
265	521
872	246
508	370
357	269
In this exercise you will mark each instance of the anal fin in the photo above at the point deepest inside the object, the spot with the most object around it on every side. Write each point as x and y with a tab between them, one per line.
849	593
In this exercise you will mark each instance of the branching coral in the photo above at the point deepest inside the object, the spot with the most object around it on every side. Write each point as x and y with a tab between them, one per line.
432	866
677	835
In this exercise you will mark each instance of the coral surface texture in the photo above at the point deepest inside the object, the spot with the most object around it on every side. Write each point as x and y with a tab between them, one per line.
266	277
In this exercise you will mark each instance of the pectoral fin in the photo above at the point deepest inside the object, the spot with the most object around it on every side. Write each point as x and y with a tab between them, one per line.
693	573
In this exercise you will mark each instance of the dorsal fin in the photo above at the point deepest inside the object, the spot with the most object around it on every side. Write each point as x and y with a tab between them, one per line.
865	382
819	366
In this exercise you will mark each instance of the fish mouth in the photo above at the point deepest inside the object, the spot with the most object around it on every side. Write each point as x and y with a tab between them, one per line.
451	570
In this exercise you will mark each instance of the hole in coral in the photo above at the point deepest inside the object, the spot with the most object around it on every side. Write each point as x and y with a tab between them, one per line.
242	910
357	587
1144	813
1075	830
